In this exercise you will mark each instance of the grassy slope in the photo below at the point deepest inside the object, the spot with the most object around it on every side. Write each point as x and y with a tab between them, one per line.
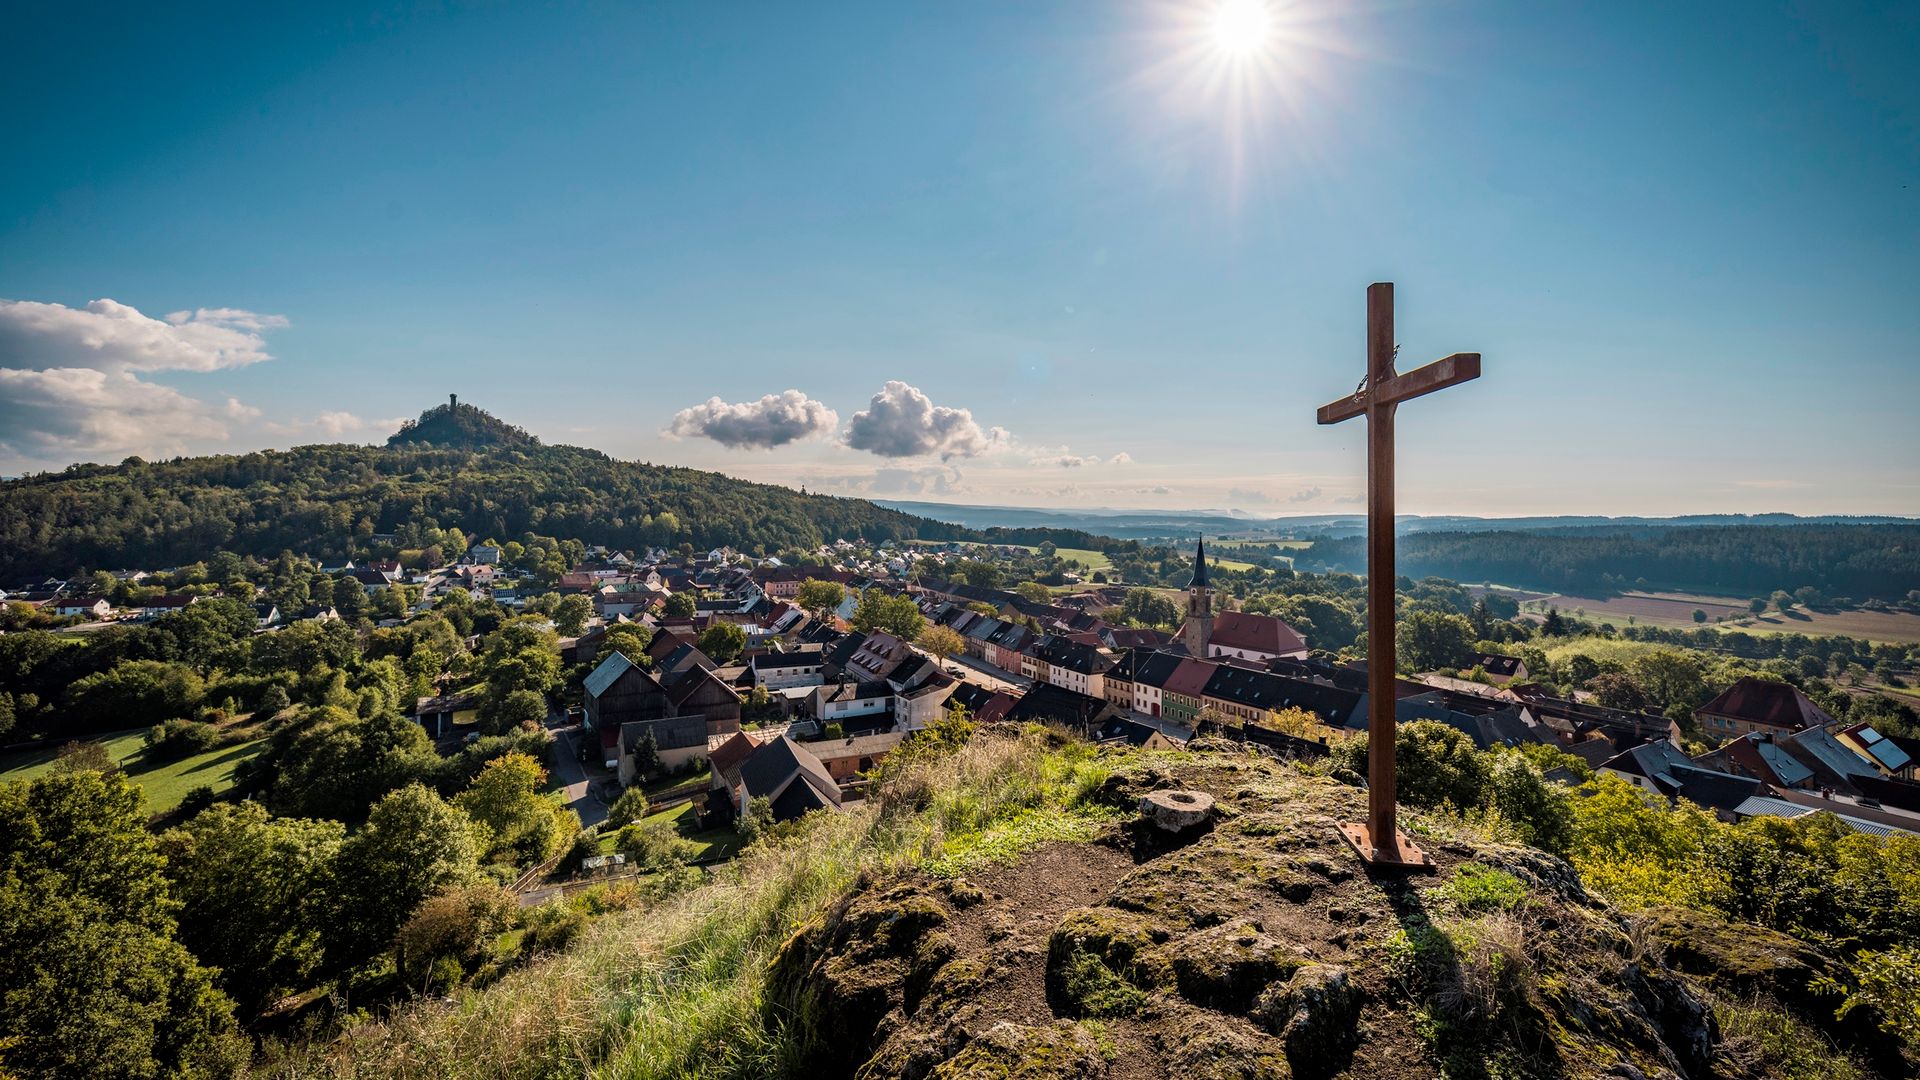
675	990
678	990
165	782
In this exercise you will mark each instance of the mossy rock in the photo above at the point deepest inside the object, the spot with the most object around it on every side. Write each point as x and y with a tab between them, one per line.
1008	1051
1226	967
836	980
1739	957
1101	961
1202	1045
1316	1015
1742	960
954	983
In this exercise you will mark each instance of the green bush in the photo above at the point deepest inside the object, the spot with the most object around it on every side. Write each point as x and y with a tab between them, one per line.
182	738
630	807
655	846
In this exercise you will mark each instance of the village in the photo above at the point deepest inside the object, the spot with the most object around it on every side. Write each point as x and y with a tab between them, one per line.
791	707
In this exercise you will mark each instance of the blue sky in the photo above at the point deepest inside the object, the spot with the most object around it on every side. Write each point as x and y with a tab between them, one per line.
1039	254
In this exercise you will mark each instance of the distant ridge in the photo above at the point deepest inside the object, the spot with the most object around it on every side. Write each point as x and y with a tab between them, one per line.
1159	524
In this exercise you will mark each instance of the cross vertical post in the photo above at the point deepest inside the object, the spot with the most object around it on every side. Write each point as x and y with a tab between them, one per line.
1379	842
1381	782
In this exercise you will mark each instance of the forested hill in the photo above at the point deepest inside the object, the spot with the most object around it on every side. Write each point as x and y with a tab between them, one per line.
325	501
1857	561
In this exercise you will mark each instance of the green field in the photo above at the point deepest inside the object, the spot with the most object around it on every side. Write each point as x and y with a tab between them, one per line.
1287	545
1092	560
165	782
713	844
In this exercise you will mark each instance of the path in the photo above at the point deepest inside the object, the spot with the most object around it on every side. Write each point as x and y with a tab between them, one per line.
569	773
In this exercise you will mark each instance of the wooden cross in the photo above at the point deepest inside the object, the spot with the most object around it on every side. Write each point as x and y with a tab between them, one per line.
1379	841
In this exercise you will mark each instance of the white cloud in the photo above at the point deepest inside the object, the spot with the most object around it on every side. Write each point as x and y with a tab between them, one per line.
112	336
1248	496
1063	461
1304	495
51	415
929	480
72	382
922	480
1121	458
774	420
337	425
901	421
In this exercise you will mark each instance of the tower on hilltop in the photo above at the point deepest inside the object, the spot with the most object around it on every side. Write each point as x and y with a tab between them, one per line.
1197	630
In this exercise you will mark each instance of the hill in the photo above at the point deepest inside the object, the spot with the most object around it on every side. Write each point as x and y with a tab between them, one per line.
1001	913
456	467
462	427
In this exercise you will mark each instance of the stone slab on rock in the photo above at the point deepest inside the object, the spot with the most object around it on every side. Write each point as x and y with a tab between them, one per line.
1177	811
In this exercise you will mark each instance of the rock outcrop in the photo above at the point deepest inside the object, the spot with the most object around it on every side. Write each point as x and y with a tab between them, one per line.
1258	949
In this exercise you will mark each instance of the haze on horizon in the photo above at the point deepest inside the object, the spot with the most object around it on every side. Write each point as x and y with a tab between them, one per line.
1074	255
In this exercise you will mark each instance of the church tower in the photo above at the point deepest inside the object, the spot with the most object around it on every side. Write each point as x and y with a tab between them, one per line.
1197	630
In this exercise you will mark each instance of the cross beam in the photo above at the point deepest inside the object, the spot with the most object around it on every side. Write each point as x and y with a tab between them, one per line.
1379	842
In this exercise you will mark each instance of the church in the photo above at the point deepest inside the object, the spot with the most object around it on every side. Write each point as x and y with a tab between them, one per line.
1258	638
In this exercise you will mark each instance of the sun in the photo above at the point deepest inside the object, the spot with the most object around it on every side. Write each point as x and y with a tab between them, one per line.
1241	28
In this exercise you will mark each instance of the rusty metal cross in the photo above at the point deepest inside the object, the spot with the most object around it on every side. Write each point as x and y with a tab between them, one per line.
1379	841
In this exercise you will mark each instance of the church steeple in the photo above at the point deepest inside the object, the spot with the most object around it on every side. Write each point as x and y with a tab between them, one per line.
1197	631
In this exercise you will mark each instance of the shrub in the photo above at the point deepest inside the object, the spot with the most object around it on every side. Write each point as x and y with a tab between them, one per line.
456	926
630	807
1438	766
551	927
274	701
197	800
1521	797
182	738
1090	987
757	820
655	846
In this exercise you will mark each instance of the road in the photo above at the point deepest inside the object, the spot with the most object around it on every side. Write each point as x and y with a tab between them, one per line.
567	770
993	678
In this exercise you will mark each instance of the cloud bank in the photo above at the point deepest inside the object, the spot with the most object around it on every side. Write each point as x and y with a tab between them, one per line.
70	378
901	422
774	420
110	336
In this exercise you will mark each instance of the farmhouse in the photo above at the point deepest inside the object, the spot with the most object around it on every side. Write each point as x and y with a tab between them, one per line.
788	776
677	741
1759	705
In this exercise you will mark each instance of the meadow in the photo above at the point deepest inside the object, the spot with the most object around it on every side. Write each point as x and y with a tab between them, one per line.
165	782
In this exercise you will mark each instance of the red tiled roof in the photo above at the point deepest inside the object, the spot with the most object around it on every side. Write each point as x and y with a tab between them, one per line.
727	757
1190	678
1256	633
1760	701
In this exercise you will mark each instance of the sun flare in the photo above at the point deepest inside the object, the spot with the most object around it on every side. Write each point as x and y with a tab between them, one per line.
1241	28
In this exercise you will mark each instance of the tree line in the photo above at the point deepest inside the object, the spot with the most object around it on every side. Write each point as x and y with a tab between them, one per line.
1854	561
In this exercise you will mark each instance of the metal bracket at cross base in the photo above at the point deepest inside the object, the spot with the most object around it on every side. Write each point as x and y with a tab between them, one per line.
1379	843
1399	855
